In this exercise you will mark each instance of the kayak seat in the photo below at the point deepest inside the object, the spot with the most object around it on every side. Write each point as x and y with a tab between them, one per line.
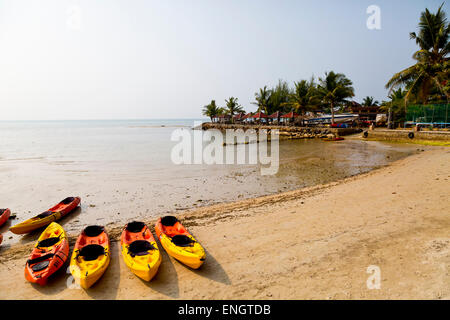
168	221
40	263
135	226
48	242
140	248
67	200
91	252
93	231
181	240
44	214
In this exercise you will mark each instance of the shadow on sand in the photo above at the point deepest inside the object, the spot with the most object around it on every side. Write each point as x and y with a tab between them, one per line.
107	286
166	280
211	269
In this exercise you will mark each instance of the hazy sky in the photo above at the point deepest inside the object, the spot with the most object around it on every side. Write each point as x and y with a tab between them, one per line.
111	59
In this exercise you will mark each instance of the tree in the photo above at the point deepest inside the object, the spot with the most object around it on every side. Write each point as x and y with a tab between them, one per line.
212	110
334	89
279	97
369	102
262	99
394	107
431	68
233	107
304	96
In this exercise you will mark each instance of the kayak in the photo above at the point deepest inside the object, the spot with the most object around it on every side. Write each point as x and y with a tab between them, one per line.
4	216
91	256
140	250
179	243
1	238
333	139
53	214
49	254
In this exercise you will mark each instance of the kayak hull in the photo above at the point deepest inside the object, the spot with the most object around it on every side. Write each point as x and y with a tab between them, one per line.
53	214
52	257
193	256
144	263
87	270
4	216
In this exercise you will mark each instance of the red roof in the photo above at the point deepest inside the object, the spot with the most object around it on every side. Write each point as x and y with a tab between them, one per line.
290	115
260	115
275	115
248	115
238	116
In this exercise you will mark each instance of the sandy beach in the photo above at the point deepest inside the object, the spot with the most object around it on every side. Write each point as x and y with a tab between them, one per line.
311	243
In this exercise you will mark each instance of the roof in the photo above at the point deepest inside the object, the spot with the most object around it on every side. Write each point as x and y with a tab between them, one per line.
248	115
275	114
291	114
260	115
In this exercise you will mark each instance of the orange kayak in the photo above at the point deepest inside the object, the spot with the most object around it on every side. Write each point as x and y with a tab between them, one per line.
4	216
140	250
44	219
91	256
179	243
49	254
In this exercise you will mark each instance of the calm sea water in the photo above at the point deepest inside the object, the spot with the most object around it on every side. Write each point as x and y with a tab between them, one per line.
123	169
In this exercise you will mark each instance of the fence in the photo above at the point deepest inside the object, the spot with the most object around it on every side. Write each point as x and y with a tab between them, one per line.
428	114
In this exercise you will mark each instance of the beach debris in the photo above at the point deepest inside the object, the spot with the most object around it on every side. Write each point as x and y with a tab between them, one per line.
92	206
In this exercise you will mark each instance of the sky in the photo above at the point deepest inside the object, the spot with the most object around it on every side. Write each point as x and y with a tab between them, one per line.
141	59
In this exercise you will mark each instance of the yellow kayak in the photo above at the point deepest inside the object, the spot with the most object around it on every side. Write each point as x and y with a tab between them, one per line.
179	243
91	256
140	250
44	219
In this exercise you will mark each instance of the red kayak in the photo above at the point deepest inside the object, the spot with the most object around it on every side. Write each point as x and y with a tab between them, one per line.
4	216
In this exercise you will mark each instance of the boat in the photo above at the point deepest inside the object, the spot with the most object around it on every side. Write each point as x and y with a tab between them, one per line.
91	256
333	139
338	118
44	219
48	255
179	243
140	250
4	216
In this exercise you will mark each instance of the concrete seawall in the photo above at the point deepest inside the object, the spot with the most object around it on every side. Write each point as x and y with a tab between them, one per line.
287	132
407	135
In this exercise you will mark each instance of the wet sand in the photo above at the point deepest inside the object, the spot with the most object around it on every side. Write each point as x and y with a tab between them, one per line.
311	243
116	188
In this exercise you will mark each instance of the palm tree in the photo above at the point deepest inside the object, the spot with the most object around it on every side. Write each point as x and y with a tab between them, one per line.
233	107
303	97
394	107
212	110
279	97
262	99
432	67
334	89
370	102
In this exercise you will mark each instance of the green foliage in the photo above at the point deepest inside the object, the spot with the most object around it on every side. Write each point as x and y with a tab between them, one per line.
369	102
431	71
304	96
212	110
334	89
232	106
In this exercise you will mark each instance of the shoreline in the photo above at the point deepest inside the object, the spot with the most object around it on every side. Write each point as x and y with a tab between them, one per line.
234	232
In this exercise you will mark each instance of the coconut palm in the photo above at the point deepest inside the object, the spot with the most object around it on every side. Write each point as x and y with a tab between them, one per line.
369	102
262	99
303	97
212	110
334	89
394	107
233	107
279	97
431	68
